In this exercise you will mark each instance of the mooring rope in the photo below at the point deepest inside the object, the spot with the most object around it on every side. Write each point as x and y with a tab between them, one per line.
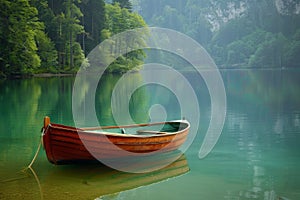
31	163
36	153
28	167
37	180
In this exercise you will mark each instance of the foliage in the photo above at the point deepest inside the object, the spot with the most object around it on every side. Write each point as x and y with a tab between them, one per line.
41	36
124	4
67	27
46	52
118	20
236	33
93	20
18	28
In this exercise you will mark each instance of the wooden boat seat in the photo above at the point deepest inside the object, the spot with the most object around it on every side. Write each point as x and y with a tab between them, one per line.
148	132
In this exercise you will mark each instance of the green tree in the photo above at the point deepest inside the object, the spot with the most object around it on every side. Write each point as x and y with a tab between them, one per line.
93	20
237	53
118	20
270	52
46	52
124	4
63	26
46	47
234	32
292	51
72	29
19	27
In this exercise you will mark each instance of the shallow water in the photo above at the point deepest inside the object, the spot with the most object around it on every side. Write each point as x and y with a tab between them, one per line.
256	157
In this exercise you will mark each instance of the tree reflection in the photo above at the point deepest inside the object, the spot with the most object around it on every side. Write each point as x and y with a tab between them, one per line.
138	102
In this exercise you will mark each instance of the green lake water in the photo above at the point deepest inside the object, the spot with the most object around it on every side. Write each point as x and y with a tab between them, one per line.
256	157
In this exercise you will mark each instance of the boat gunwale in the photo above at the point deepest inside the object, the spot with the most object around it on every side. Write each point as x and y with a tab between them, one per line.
92	130
51	129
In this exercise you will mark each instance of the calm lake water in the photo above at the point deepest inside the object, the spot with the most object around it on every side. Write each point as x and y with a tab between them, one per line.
256	157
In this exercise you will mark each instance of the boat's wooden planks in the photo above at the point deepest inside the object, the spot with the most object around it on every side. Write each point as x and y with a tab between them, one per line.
65	143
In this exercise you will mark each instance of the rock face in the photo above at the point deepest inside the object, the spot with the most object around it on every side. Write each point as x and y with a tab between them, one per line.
288	7
215	12
219	13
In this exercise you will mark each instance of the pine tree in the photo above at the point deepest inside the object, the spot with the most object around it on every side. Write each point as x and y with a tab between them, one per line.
46	47
124	4
93	21
65	28
119	20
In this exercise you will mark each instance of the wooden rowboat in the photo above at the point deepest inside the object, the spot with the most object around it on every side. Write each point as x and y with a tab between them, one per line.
66	144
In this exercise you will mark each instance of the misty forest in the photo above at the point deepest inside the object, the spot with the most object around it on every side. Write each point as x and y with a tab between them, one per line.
55	36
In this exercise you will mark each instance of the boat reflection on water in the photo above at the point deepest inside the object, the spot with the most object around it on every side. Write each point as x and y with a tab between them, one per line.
89	181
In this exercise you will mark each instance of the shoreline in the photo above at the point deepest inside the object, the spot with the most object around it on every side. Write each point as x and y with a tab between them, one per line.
48	75
51	75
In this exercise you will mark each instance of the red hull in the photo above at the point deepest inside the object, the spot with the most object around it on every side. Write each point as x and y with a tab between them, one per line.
65	144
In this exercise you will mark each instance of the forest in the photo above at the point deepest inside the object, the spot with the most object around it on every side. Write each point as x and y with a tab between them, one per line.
55	36
236	33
